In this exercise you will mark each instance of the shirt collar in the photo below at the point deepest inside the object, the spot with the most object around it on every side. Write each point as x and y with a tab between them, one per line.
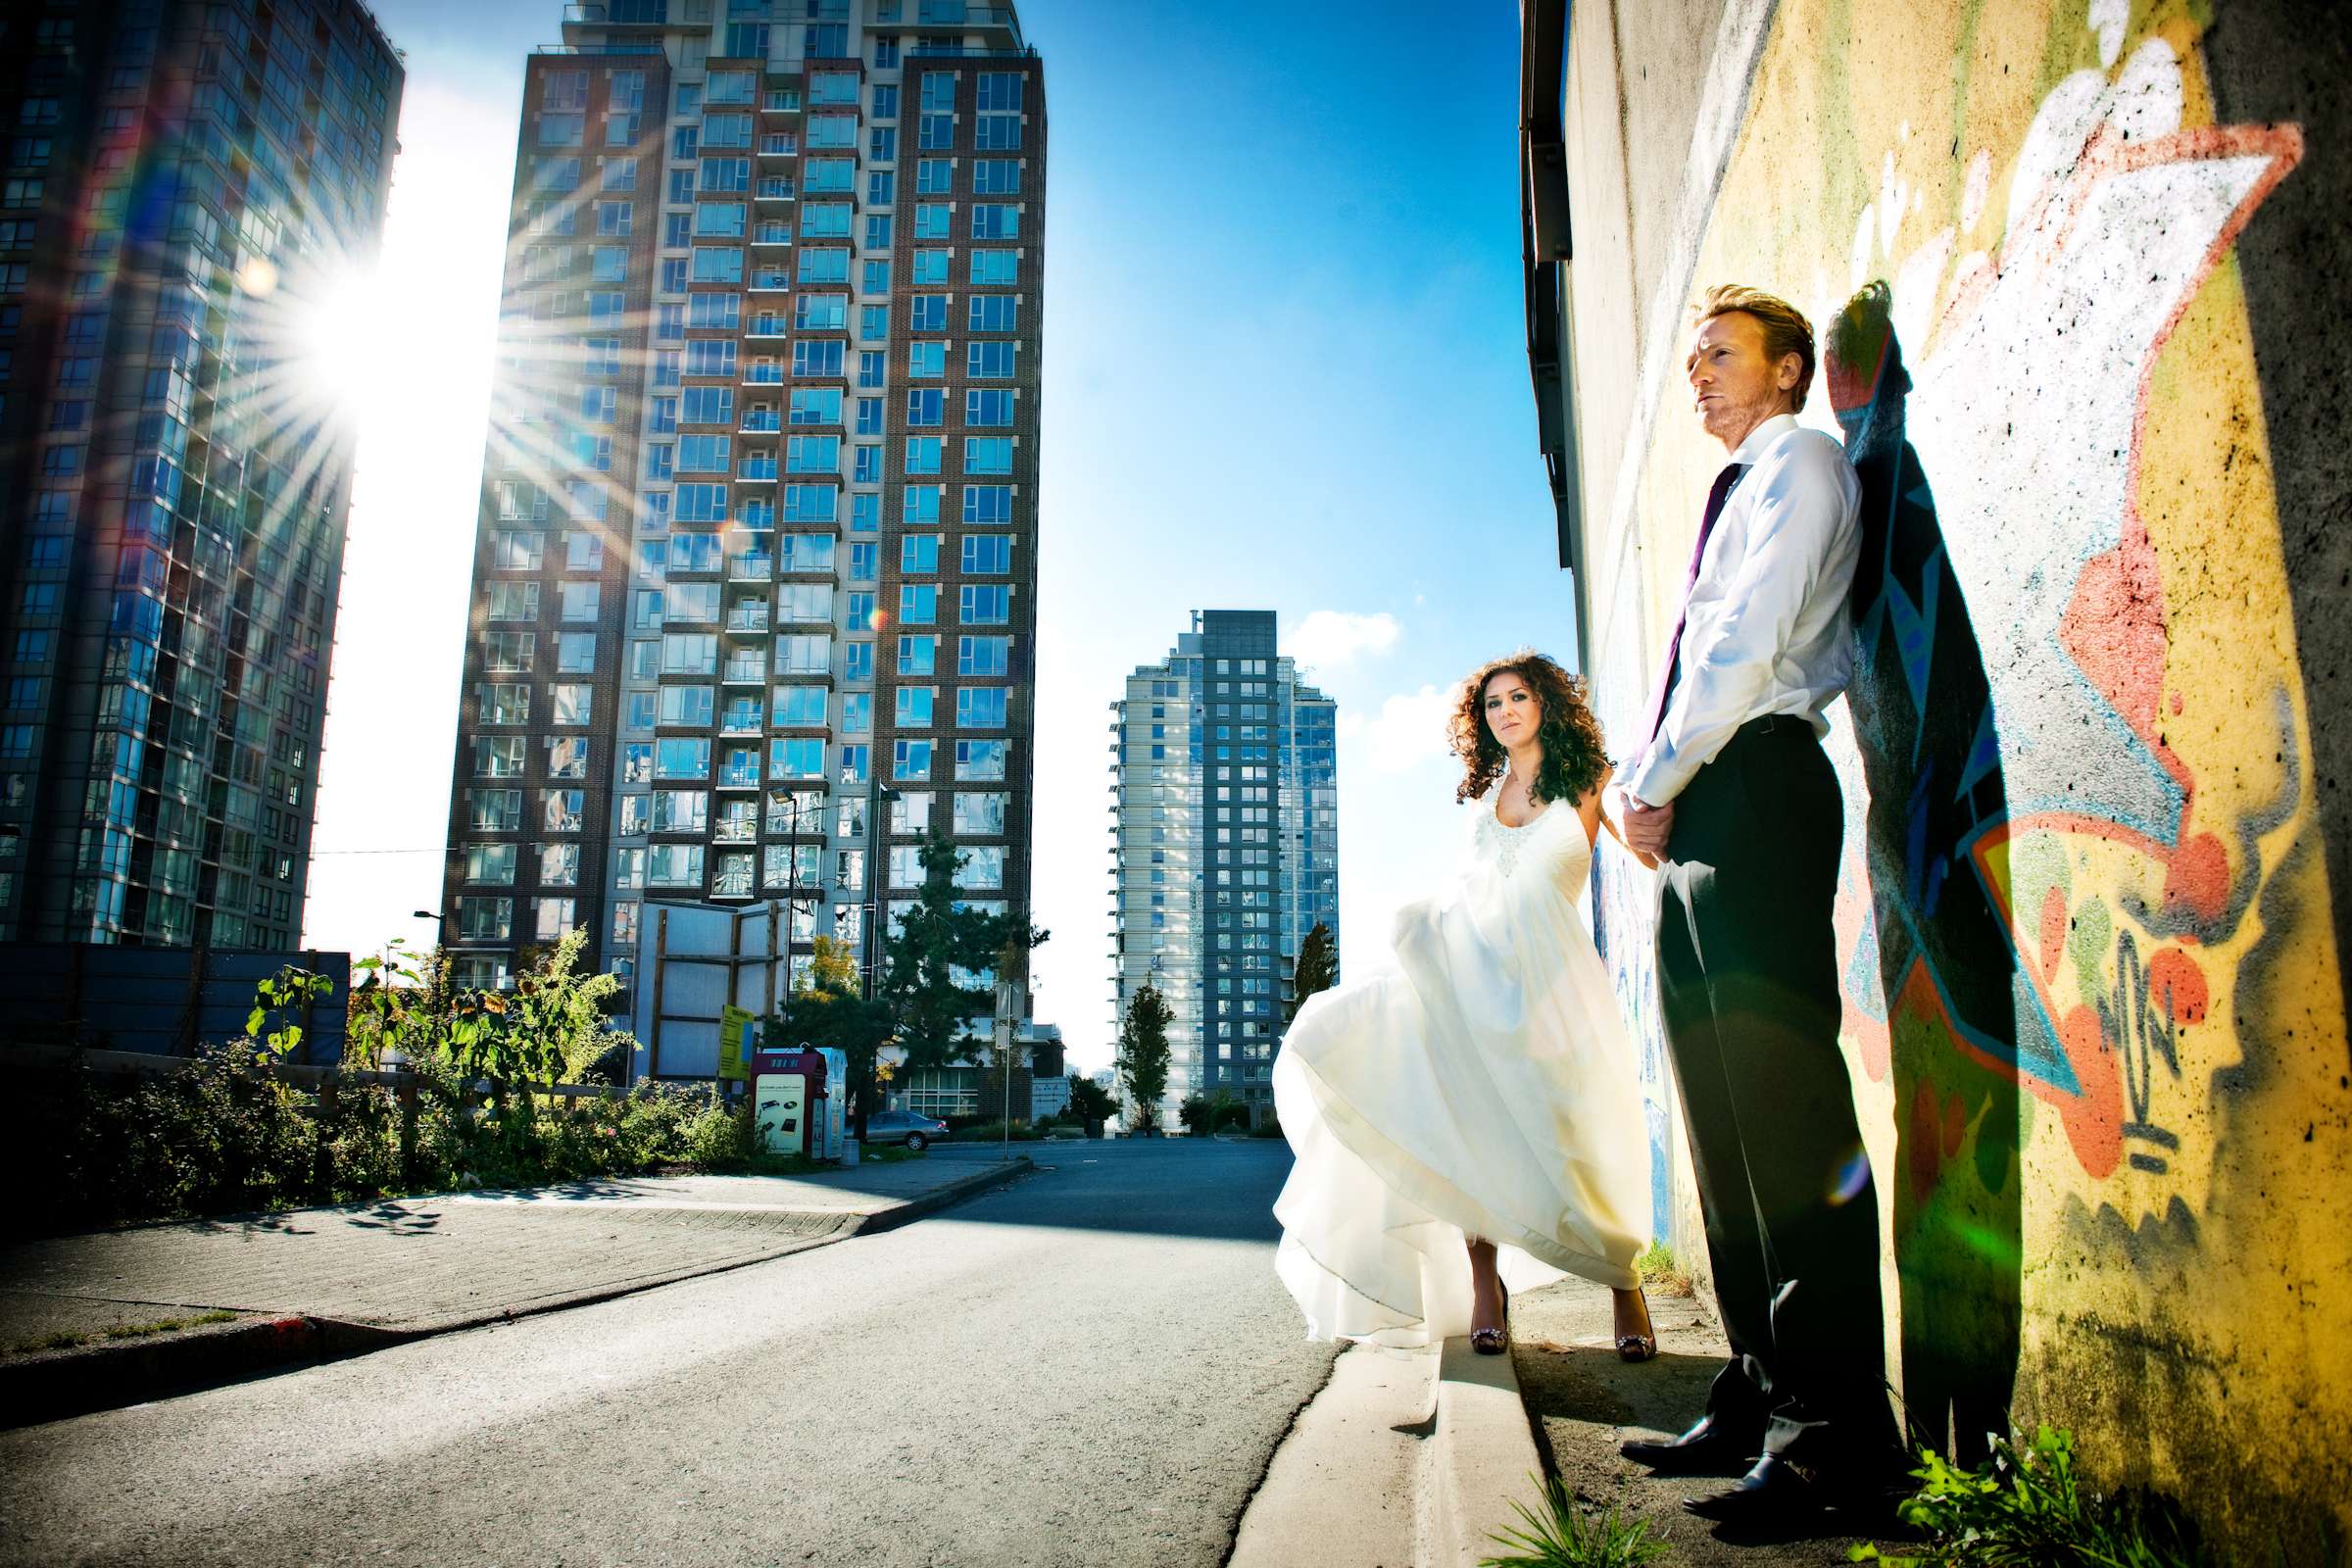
1760	439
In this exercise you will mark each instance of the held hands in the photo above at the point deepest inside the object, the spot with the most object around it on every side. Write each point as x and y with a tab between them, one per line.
1646	829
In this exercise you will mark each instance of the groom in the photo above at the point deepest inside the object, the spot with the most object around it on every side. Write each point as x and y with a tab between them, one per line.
1732	792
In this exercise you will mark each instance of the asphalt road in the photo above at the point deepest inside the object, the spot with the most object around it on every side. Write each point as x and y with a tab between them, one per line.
1089	1366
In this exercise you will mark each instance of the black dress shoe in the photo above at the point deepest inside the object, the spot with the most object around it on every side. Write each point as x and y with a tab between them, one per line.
1770	1496
1706	1449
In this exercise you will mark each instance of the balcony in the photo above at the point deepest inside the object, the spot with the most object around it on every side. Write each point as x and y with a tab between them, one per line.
770	280
758	467
771	233
776	188
759	516
763	372
751	568
622	13
742	722
762	424
737	778
781	100
744	669
780	144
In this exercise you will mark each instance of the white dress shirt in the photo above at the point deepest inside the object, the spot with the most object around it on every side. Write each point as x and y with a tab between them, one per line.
1766	629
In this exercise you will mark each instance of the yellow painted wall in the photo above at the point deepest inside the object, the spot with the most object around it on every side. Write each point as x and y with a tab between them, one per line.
2092	1004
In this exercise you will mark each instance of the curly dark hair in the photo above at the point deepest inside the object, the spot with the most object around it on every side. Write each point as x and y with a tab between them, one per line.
1575	756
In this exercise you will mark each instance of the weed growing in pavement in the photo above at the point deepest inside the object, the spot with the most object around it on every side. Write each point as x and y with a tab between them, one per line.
2027	1508
1561	1536
70	1339
1659	1272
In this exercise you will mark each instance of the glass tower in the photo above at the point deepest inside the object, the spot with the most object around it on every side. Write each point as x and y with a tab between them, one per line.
1224	846
182	183
754	590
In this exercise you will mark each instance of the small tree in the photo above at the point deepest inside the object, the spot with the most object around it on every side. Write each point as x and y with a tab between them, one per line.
931	1008
1091	1103
1317	966
829	1011
1143	1061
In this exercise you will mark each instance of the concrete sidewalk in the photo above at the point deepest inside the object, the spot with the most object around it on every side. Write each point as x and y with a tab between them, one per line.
1416	1461
93	1321
1583	1401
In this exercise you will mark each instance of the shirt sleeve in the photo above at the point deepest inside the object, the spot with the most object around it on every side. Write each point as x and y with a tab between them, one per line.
1803	507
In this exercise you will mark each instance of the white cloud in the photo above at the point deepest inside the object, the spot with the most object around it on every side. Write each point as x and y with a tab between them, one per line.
1329	638
1409	730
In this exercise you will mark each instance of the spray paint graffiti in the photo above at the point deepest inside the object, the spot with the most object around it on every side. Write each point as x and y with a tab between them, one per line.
2090	981
2117	215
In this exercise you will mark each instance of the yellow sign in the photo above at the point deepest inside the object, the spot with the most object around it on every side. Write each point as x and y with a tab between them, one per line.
734	1028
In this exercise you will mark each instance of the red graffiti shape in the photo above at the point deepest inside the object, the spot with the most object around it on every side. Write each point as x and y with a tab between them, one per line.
2197	878
1955	1124
2114	629
2176	986
1922	1144
2095	1119
2053	933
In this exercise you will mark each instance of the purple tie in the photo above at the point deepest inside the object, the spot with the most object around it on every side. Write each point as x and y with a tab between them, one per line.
1716	496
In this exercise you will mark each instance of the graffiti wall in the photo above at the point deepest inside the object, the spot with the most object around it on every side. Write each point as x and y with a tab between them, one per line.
2092	997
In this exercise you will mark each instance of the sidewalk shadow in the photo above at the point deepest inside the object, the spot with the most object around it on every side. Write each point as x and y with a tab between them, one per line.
1925	728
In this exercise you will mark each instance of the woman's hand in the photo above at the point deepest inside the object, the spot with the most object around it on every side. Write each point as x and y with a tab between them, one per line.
1649	861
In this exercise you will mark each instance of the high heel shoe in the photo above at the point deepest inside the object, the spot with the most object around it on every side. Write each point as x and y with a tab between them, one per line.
1639	1346
1493	1342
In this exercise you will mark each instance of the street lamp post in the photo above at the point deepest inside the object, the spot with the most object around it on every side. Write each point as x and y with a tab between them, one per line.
876	795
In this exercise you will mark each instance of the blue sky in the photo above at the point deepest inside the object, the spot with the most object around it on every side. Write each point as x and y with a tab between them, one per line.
1284	369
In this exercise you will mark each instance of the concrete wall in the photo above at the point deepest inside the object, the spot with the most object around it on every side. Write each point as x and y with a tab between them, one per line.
2092	908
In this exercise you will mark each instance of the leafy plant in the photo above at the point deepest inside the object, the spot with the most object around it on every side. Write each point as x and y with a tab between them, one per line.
2028	1508
281	994
1561	1536
1661	1272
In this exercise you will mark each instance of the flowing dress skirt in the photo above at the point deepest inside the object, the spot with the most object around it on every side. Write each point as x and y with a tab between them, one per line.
1484	1087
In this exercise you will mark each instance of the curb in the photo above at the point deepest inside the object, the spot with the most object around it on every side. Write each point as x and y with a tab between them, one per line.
54	1386
1482	1455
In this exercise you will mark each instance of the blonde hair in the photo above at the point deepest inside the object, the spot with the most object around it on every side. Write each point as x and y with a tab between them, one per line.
1786	329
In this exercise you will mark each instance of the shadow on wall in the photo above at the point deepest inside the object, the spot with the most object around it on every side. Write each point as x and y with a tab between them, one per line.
1922	719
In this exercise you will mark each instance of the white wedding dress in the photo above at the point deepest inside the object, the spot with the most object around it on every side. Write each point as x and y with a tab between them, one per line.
1482	1087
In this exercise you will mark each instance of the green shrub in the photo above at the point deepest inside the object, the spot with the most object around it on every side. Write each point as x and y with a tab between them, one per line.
992	1132
1561	1536
720	1139
2027	1508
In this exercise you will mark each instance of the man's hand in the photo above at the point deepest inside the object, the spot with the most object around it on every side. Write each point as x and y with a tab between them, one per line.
1648	827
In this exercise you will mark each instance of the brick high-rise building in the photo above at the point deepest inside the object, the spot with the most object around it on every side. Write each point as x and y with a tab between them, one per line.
757	548
180	183
1224	846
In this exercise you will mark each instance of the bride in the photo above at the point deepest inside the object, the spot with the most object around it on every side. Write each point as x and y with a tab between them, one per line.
1475	1104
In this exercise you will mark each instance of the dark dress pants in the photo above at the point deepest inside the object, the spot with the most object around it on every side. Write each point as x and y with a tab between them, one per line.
1747	981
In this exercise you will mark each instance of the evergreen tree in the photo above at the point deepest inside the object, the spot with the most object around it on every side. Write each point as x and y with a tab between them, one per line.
1143	1061
931	1008
1317	966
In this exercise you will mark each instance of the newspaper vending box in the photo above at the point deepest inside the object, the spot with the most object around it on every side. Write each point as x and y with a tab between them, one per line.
788	1100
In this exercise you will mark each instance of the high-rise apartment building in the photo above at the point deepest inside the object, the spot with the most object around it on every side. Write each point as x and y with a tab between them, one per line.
1225	849
758	552
178	181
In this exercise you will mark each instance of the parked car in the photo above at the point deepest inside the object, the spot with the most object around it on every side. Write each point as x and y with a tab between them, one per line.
917	1133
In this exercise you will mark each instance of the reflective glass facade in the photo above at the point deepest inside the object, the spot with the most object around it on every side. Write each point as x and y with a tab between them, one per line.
754	592
1225	846
180	184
